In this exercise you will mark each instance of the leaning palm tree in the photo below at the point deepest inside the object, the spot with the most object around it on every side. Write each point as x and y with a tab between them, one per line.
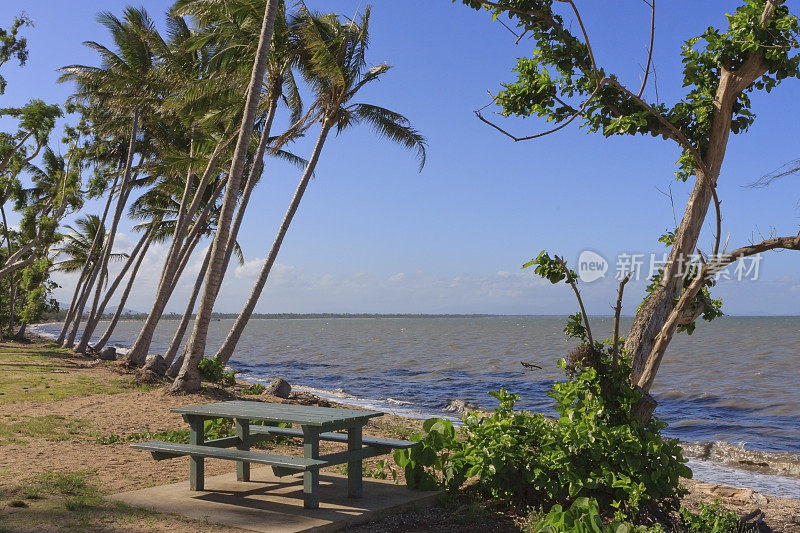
78	251
188	378
120	83
334	66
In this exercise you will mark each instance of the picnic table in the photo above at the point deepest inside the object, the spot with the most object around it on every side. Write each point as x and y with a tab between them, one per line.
315	424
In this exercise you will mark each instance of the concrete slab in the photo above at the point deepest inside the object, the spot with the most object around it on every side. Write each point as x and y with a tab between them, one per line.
275	505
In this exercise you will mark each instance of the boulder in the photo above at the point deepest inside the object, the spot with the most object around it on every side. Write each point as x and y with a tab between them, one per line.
157	364
108	354
279	387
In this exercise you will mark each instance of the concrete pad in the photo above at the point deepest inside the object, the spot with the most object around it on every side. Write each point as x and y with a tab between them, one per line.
272	504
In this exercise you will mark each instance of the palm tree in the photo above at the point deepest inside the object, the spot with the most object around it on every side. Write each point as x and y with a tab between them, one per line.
334	66
120	83
79	251
188	378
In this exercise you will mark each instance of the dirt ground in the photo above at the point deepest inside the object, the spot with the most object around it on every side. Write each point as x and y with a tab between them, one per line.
37	452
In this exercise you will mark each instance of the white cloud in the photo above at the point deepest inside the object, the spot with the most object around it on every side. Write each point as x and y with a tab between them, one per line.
295	289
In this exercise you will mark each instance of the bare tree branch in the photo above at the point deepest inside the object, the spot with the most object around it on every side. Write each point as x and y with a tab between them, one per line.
580	300
650	48
617	311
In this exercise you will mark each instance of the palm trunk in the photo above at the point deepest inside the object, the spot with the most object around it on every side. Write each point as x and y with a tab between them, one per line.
172	351
94	316
135	254
87	269
229	345
188	378
177	255
124	298
20	335
255	172
137	355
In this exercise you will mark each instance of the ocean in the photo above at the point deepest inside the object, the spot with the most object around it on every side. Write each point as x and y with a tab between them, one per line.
734	380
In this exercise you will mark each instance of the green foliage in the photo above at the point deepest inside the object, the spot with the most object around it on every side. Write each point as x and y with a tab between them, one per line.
13	46
561	69
213	369
550	269
502	449
583	516
425	463
711	519
596	448
253	390
382	470
575	328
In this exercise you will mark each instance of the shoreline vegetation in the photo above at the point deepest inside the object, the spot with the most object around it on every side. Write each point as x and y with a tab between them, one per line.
66	422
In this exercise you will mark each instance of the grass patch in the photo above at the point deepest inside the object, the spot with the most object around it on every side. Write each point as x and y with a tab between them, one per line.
16	430
41	372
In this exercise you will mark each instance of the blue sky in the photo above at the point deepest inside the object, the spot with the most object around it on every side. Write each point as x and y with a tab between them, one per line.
373	235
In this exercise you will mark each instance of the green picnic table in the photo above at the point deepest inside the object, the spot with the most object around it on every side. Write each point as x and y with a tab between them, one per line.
315	424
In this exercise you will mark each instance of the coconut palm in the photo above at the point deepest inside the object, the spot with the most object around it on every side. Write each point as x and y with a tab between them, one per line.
334	66
121	84
188	378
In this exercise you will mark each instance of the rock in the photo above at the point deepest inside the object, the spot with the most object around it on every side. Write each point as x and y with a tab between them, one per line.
461	406
157	364
796	519
279	387
175	367
108	354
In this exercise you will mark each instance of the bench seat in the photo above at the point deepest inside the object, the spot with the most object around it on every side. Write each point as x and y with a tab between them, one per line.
167	450
336	437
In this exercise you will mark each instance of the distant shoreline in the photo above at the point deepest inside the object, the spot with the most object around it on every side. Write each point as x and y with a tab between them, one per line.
307	316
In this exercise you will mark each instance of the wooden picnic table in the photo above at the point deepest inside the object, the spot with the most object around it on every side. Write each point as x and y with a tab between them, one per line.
316	423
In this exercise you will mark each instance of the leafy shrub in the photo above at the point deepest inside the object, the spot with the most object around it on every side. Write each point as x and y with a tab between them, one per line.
596	448
503	449
212	369
583	516
254	390
430	457
382	470
712	519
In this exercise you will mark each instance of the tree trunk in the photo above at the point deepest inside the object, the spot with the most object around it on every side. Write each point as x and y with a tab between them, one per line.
188	378
655	311
255	172
137	358
20	336
135	254
172	351
137	355
229	345
124	298
71	310
94	316
87	269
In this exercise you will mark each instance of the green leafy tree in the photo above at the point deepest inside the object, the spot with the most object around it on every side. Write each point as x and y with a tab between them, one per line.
13	46
563	80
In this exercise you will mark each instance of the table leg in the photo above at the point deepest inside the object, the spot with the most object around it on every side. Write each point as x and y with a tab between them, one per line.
311	477
196	471
354	474
242	427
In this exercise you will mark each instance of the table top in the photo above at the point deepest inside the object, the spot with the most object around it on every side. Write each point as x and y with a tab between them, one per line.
305	415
